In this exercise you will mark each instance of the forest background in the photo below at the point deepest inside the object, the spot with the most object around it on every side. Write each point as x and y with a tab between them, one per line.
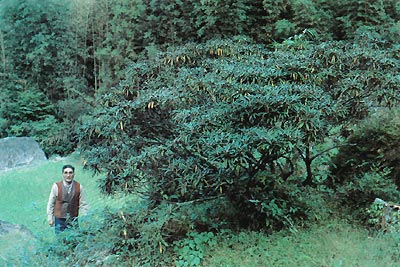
221	115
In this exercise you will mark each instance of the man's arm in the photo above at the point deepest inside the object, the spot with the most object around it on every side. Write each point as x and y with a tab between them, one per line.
83	205
51	203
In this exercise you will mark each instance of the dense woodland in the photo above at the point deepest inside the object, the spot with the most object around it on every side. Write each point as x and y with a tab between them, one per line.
234	114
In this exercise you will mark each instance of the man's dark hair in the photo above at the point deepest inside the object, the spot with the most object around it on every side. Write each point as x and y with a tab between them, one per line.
68	166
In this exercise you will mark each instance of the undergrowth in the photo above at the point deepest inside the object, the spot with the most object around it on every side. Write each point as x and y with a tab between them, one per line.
329	239
337	243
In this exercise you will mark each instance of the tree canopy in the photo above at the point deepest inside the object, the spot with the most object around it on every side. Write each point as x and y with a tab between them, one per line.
232	117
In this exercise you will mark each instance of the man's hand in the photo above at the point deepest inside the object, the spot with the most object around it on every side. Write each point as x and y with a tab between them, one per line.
51	222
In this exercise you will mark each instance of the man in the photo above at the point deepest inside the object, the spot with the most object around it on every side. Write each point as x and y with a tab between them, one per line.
67	198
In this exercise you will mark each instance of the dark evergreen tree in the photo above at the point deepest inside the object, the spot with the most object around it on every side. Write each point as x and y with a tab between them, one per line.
41	71
37	42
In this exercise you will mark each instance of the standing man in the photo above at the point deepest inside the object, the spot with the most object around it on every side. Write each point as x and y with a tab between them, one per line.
67	198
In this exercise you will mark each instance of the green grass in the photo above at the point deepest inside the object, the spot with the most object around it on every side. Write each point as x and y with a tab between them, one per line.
333	245
25	192
336	243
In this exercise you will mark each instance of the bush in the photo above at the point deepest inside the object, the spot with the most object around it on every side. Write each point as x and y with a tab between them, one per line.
54	137
211	120
150	235
368	167
190	251
232	119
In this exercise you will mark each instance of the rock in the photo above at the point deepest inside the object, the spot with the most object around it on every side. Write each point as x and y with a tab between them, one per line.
9	228
17	245
385	216
18	152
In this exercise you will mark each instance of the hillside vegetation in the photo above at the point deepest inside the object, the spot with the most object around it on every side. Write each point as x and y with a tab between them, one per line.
334	241
211	119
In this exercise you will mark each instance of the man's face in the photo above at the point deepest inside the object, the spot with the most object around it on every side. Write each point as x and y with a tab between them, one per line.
68	175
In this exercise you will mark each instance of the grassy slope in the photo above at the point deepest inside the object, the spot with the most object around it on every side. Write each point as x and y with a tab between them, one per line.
24	195
336	244
24	192
23	200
